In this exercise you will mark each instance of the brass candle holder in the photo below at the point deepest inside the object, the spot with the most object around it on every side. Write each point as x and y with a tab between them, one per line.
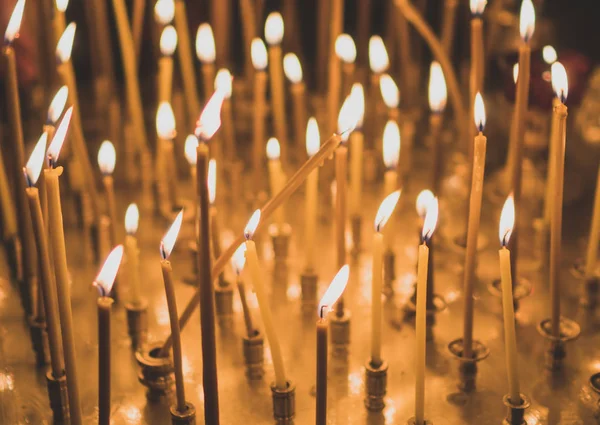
595	385
521	289
137	323
156	371
467	368
375	386
284	403
187	417
39	341
308	285
413	421
339	331
569	330
515	412
59	399
355	226
224	302
253	347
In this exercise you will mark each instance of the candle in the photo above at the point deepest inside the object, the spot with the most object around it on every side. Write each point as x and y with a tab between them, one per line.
313	142
561	88
391	178
391	96
215	231
276	175
259	60
107	158
473	224
58	18
206	53
263	301
332	294
345	50
448	25
379	62
477	56
165	161
356	142
132	254
104	282
293	72
592	249
549	195
238	260
437	105
191	143
383	214
336	25
249	31
507	221
223	82
168	44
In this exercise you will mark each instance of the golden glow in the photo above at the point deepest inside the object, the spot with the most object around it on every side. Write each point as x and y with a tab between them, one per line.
334	291
106	277
210	118
205	44
516	72
274	28
389	91
479	112
313	137
423	200
292	68
386	210
258	51
477	7
14	23
33	168
107	158
345	49
350	115
507	220
191	143
378	56
168	40
212	181
431	218
58	104
59	136
560	82
527	20
168	241
549	54
273	149
391	145
132	218
61	5
64	46
252	225
238	260
164	11
359	93
165	121
438	93
223	82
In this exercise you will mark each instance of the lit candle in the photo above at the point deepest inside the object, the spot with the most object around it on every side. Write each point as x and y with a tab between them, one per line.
276	175
206	53
379	62
104	282
391	96
592	249
473	224
132	254
383	214
168	44
507	222
421	318
345	50
191	143
107	158
215	231
263	301
238	260
313	142
333	18
477	55
223	82
391	177
165	160
356	142
437	105
293	72
259	60
448	25
332	294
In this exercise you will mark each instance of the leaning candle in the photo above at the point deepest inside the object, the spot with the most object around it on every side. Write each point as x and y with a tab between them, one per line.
276	176
313	142
437	104
104	282
391	156
168	44
263	301
356	142
223	82
259	99
293	72
206	53
132	254
592	248
345	50
507	221
107	158
333	293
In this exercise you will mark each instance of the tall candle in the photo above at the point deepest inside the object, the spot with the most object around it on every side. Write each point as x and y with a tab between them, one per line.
549	195
379	62
106	161
276	176
249	30
238	261
9	214
206	53
132	254
259	60
263	301
477	58
58	18
391	178
356	142
168	44
437	105
448	25
215	230
336	25
223	82
313	142
345	50
165	160
293	72
473	225
592	248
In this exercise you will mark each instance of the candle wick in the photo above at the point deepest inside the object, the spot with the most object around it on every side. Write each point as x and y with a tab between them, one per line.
100	288
321	309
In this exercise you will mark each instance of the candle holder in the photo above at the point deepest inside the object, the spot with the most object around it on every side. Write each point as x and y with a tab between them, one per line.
468	366
187	417
137	323
413	421
458	243
516	412
521	289
595	384
590	286
339	331
308	285
156	371
254	355
356	226
569	330
375	386
224	302
59	399
280	237
284	403
39	341
389	272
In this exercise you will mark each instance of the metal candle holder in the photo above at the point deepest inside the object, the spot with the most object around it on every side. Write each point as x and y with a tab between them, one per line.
59	399
468	366
339	331
569	330
308	285
187	417
280	237
375	386
590	286
389	272
595	384
284	403
516	412
413	421
137	323
156	371
355	226
39	341
521	289
254	355
224	302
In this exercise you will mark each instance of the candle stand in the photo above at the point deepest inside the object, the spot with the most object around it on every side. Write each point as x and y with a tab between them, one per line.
39	341
284	403
187	417
355	226
389	272
467	368
280	237
137	323
253	347
375	386
515	412
59	399
339	331
412	421
521	289
156	371
224	302
595	385
557	351
308	285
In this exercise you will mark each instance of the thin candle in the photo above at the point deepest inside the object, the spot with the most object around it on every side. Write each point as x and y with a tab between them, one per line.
206	53
293	72
276	175
58	19
165	162
379	63
168	44
238	261
223	82
336	25
313	142
592	248
356	142
345	50
260	61
107	158
215	230
390	95
477	57
132	254
437	105
392	178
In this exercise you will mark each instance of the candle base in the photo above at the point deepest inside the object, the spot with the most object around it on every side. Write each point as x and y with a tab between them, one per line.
590	285
595	385
284	403
569	330
254	355
137	323
156	372
187	417
355	226
458	243
521	289
280	237
389	273
39	341
375	386
308	285
413	421
224	303
516	412
339	331
467	368
59	399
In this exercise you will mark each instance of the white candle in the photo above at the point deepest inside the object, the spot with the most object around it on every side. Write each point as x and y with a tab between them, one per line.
132	253
313	143
276	175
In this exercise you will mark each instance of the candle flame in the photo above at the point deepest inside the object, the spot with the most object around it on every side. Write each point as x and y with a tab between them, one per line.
292	68
168	241
274	28
238	260
350	115
273	149
391	145
378	56
212	181
165	121
64	47
210	118
507	220
107	157
431	218
252	225
549	54
516	72
345	49
223	82
33	168
191	143
106	277
477	7
389	91
168	40
560	82
479	112
164	11
205	44
59	137
438	93
527	20
423	200
386	209
58	104
14	23
334	291
61	5
313	137
132	218
258	51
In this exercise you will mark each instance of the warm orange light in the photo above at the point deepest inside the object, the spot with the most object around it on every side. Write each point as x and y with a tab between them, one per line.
423	200
345	49
238	260
437	88
61	5
313	137
106	277
132	218
349	116
210	118
479	112
389	91
378	56
477	7
273	149
292	68
107	158
507	220
14	23
391	145
165	121
168	40
334	291
64	46
168	241
223	82
527	20
252	225
205	44
431	219
516	72
386	210
58	104
258	51
33	168
164	11
212	181
560	82
274	28
59	137
189	149
359	94
549	54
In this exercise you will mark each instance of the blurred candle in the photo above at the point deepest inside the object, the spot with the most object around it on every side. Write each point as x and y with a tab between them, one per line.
238	260
276	175
132	254
356	142
313	143
345	50
260	61
391	96
107	158
592	249
165	161
379	63
223	82
168	44
391	177
336	25
477	56
293	72
206	53
437	105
